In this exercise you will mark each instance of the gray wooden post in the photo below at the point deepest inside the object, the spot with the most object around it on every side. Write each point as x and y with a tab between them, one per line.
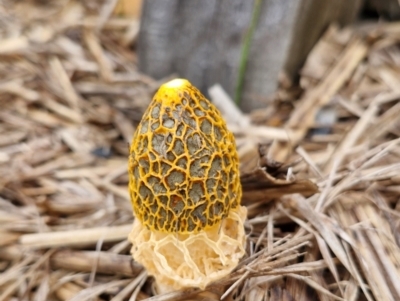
202	40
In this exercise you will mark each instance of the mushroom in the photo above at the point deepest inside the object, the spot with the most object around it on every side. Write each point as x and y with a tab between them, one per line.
185	191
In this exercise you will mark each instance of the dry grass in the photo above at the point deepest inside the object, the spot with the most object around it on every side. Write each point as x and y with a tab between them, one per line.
70	99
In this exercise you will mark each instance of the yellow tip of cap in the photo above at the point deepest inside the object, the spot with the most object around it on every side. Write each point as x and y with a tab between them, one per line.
176	83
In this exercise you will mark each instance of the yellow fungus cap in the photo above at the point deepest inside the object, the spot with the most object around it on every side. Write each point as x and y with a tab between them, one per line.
183	164
177	83
170	91
185	190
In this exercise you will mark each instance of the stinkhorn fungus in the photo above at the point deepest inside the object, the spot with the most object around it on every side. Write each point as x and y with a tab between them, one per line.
185	190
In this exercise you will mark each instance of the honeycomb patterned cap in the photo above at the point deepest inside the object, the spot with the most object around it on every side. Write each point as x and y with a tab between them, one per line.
183	164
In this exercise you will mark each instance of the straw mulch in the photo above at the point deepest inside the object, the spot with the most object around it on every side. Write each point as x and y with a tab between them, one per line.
71	97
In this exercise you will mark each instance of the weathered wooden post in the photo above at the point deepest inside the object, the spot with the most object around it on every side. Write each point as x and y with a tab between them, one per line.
205	41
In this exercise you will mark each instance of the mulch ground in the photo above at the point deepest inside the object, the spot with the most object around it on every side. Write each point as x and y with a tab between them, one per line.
320	166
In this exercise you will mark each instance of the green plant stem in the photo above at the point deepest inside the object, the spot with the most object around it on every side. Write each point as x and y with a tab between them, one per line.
245	50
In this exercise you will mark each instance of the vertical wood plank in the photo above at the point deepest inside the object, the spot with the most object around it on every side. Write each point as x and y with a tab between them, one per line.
203	41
